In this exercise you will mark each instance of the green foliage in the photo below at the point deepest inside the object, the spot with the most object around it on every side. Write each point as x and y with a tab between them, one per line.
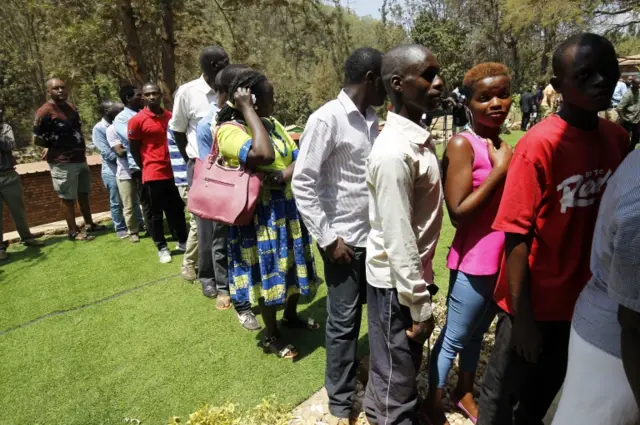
269	412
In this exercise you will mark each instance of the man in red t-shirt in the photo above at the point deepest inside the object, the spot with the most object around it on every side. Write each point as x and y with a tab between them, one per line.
147	134
548	212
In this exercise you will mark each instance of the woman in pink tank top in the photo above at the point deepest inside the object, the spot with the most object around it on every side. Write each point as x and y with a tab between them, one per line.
475	166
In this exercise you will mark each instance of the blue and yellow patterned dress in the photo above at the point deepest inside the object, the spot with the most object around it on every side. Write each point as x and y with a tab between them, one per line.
271	258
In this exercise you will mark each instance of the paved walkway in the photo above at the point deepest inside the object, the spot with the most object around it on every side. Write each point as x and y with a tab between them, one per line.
57	227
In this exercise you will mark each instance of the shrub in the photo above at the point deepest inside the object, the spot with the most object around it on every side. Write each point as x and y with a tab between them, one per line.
269	412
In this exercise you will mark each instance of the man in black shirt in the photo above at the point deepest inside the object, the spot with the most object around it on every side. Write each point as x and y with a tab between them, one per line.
527	106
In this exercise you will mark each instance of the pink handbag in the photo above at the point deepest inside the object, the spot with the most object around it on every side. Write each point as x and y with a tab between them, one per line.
224	194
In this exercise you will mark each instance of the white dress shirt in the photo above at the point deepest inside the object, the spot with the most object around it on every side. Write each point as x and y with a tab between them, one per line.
122	163
191	104
405	210
329	180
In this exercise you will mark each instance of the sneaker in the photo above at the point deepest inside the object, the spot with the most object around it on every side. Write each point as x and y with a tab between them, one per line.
188	272
134	238
3	254
122	234
249	321
182	246
165	255
32	242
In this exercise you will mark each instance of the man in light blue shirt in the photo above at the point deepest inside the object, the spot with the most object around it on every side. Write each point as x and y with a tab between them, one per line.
109	110
131	96
620	91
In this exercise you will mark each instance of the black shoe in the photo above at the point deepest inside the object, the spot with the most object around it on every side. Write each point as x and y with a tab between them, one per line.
209	291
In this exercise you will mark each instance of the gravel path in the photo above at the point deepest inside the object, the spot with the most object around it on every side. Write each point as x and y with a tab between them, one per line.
315	411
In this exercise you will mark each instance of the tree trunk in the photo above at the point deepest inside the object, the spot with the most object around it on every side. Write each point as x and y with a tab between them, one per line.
549	38
135	57
168	53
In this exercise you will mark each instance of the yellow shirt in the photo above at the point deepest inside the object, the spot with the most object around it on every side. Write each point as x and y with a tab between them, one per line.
235	144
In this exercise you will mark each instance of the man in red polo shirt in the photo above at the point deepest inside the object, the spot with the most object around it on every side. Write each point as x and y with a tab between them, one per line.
147	133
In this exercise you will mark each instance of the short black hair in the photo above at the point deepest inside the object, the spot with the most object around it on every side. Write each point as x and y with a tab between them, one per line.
362	61
104	107
151	83
396	62
212	60
126	92
582	39
227	75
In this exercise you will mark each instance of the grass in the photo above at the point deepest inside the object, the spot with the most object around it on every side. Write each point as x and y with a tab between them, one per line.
93	333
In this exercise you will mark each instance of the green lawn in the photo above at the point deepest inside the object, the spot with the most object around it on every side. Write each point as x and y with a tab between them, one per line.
93	333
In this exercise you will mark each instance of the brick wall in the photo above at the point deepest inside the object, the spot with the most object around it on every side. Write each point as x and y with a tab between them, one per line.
42	204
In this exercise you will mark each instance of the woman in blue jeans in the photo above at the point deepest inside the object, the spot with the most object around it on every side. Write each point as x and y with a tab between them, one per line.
475	166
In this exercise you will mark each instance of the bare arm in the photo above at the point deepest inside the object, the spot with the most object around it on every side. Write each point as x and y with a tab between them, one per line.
119	150
181	142
462	201
134	145
261	152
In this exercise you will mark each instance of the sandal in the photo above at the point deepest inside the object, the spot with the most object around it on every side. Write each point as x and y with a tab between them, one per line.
300	323
223	302
95	227
275	346
80	236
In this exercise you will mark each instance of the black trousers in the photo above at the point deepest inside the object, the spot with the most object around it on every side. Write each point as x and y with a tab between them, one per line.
346	293
510	379
164	197
634	132
526	117
392	392
145	202
630	323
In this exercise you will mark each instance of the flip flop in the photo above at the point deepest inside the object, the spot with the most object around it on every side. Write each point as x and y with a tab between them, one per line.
223	302
300	323
459	405
277	347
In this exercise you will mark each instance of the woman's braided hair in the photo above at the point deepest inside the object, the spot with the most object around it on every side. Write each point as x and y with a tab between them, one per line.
248	79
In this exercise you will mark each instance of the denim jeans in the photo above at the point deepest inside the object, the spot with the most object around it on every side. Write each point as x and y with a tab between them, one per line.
115	203
470	311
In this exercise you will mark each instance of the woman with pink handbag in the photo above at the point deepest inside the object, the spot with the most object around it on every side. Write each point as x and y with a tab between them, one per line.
270	259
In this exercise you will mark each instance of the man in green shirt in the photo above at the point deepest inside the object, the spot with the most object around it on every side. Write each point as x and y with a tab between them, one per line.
629	112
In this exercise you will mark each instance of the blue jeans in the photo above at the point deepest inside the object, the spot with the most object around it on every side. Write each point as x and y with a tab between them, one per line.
114	202
470	311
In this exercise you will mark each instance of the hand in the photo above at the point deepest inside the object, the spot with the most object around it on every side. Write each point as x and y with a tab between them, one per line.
500	158
527	340
421	331
277	177
243	99
339	252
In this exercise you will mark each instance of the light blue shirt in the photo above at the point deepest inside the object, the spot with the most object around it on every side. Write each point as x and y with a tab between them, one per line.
203	132
99	140
620	91
121	122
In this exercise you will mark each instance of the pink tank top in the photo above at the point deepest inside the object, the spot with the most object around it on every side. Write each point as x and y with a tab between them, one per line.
476	248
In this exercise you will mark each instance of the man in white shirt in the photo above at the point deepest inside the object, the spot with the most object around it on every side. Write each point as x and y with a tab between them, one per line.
331	195
192	102
405	211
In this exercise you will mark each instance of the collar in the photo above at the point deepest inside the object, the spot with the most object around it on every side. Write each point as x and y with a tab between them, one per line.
351	107
148	112
105	122
410	130
203	86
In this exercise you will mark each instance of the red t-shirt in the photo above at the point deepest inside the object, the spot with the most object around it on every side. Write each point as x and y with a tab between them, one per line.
151	131
553	189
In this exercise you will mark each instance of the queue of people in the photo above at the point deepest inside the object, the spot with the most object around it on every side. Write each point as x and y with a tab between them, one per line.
373	203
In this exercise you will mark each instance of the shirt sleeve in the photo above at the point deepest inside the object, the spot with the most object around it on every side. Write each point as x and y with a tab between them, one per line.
99	139
234	143
521	198
623	103
134	129
204	137
624	270
7	141
316	146
112	136
180	118
393	183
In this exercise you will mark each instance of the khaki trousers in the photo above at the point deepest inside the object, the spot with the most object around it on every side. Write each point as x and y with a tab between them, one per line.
129	197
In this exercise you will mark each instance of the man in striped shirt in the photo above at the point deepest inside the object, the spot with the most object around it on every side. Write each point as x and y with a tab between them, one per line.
331	194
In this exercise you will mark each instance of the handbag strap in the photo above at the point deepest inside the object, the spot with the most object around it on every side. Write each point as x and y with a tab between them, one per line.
215	148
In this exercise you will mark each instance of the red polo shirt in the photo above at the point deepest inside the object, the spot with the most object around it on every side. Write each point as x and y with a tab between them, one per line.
151	131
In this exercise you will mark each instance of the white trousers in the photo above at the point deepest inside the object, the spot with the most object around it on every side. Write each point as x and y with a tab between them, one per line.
596	390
